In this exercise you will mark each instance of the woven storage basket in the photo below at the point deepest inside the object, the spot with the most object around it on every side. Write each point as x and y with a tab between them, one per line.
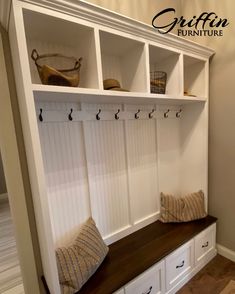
51	74
158	82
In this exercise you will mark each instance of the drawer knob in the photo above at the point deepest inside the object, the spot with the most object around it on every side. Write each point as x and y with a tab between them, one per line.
205	245
181	265
148	291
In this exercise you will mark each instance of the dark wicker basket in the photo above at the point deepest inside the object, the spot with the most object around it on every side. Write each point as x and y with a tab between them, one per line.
50	74
158	82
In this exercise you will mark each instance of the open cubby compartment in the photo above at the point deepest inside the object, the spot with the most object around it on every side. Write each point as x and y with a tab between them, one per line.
182	151
49	34
195	76
124	59
168	61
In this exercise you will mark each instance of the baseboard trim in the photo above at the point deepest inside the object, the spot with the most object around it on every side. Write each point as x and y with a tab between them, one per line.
228	253
3	196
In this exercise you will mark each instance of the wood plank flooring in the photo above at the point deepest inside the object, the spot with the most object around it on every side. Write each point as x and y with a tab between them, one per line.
10	275
212	279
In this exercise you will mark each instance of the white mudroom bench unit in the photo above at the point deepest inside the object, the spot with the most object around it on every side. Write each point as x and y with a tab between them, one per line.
108	154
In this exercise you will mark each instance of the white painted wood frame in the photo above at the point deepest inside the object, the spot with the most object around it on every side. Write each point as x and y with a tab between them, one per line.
111	169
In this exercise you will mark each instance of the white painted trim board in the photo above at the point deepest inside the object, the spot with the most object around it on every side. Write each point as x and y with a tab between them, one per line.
228	253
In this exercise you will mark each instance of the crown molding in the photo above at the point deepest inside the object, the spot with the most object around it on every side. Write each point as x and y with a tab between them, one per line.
102	16
5	7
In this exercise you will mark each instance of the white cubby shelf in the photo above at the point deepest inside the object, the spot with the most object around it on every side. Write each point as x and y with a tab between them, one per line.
124	59
50	35
108	53
83	95
162	59
195	79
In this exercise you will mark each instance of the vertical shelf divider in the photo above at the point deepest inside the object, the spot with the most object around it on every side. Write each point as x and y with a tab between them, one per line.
181	79
147	65
98	58
130	206
32	145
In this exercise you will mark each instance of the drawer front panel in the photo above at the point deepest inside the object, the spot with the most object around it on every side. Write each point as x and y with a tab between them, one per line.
150	282
179	263
205	244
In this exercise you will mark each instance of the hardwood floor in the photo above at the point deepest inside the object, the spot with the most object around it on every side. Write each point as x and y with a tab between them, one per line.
10	275
212	279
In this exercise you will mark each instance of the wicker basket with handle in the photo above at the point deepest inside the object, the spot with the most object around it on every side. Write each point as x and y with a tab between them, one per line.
50	74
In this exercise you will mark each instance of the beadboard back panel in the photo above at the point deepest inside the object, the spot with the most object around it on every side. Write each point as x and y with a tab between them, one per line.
114	170
107	169
141	138
194	152
111	67
66	174
182	152
169	154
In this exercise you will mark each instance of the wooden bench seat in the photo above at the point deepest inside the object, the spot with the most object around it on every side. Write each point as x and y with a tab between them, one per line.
132	255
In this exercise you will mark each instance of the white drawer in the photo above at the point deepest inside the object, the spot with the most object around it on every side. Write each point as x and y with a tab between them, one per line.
205	244
179	263
150	282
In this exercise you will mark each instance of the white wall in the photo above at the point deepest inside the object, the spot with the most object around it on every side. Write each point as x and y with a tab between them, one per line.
141	10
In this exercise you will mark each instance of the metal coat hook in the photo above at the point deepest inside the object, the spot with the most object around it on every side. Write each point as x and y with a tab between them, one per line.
166	113
136	114
40	115
178	113
98	115
151	113
70	115
116	114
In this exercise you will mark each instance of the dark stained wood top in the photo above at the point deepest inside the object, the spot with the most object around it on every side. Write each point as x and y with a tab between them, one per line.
132	255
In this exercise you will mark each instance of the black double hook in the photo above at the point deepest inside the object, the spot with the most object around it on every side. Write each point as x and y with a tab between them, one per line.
116	114
70	115
151	113
98	115
166	113
136	114
40	115
178	113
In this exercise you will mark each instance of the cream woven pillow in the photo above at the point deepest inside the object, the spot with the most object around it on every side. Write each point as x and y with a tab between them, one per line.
78	262
182	209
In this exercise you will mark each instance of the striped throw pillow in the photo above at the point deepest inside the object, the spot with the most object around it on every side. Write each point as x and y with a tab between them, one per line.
78	262
182	209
